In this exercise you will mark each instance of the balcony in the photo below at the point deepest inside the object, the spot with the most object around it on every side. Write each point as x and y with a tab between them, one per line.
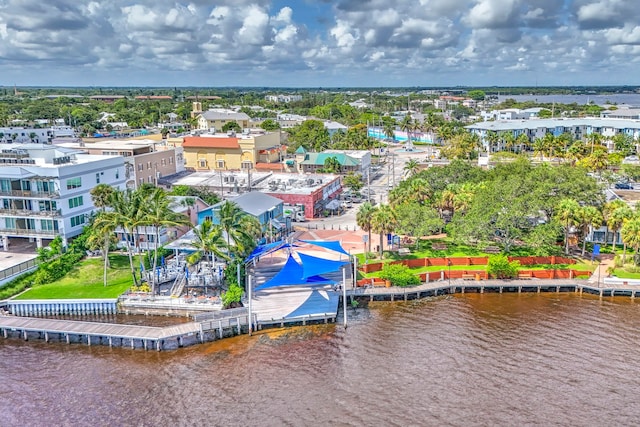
30	194
28	232
28	213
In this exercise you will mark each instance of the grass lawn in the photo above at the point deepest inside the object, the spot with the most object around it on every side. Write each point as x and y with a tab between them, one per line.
85	281
623	274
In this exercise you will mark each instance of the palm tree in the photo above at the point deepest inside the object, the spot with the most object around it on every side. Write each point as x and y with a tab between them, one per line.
102	195
523	141
389	130
616	221
407	126
208	242
160	215
493	138
588	217
594	139
102	230
411	168
331	165
383	221
607	213
363	219
235	224
126	206
567	214
630	234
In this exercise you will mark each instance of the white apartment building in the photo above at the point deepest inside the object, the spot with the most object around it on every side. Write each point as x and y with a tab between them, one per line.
44	190
15	134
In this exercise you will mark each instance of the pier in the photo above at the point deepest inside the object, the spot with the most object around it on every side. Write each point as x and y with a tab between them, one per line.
462	286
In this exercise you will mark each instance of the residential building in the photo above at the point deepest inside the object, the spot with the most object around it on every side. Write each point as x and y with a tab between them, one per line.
283	98
146	161
333	127
287	121
622	112
19	134
45	190
578	128
232	151
268	210
218	117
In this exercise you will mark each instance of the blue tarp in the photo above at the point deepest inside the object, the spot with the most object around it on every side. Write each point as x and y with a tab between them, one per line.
291	274
333	245
312	265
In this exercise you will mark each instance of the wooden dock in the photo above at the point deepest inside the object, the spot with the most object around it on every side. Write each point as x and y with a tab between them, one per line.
459	286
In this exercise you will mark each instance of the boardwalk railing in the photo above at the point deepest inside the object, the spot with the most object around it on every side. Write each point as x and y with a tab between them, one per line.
17	269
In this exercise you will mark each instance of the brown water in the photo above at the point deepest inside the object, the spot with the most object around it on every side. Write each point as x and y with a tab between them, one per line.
467	360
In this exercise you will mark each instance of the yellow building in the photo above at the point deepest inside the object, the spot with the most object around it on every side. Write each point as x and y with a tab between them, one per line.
224	152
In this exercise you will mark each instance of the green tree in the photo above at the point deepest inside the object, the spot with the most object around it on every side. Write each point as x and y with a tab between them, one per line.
231	126
567	214
476	95
364	218
617	218
238	226
270	125
102	195
630	234
411	168
209	243
331	165
102	233
353	182
160	215
588	217
383	221
310	134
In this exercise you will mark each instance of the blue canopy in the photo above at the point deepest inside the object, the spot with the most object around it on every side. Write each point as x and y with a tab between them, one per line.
317	303
291	274
264	250
333	245
312	265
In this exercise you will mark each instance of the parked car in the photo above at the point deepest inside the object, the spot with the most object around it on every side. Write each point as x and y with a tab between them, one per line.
623	186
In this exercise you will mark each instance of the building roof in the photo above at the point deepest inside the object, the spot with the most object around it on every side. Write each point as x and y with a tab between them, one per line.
224	115
210	142
254	203
301	150
319	159
505	125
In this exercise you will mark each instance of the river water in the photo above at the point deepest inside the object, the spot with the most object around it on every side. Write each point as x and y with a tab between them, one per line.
529	359
632	99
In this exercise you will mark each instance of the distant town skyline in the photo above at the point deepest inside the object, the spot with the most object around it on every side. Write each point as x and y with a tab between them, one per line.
324	43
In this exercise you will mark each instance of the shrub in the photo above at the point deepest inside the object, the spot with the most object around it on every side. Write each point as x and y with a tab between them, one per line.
232	296
499	267
399	275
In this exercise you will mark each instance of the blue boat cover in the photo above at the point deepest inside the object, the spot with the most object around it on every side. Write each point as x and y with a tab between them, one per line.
333	245
261	250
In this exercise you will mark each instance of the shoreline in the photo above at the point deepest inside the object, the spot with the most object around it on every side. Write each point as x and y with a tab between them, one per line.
170	338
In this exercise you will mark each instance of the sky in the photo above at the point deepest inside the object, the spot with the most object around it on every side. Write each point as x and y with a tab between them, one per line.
319	43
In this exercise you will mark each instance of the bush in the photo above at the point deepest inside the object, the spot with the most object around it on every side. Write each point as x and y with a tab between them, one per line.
399	275
232	296
499	267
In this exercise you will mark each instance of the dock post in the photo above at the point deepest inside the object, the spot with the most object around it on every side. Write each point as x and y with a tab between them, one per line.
158	345
24	335
46	336
500	289
4	333
558	289
538	288
89	340
633	295
601	291
238	321
110	342
519	289
220	328
133	344
67	338
482	289
462	288
392	297
144	342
